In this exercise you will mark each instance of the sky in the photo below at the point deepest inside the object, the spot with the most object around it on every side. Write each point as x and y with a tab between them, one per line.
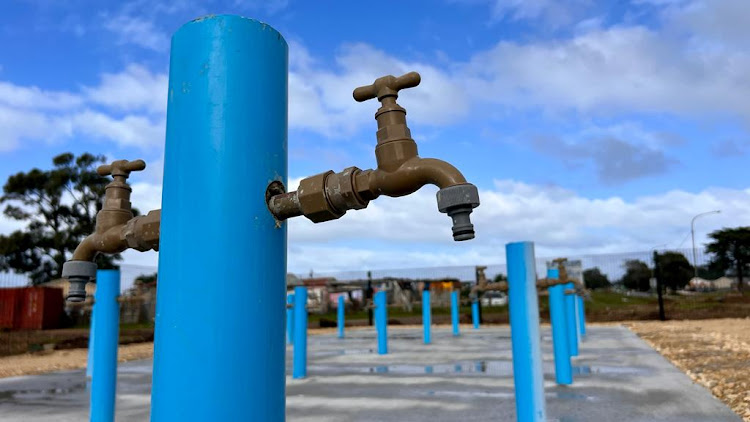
589	127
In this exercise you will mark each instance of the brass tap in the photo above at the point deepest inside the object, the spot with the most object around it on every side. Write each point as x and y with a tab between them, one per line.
484	286
327	196
116	229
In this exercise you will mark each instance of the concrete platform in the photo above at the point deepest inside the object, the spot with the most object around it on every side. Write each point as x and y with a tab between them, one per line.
617	378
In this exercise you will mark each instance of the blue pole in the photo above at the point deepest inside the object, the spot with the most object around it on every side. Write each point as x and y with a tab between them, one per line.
475	313
381	321
570	319
426	316
290	319
454	312
299	369
581	317
90	353
340	312
226	140
563	370
524	331
105	340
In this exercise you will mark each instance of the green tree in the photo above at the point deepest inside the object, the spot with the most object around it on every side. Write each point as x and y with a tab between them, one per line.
59	207
637	275
731	251
500	277
675	270
594	279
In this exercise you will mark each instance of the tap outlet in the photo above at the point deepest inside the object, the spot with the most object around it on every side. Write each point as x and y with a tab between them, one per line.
78	273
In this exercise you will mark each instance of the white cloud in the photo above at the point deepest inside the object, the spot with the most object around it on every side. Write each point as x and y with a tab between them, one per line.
32	97
138	31
135	88
131	130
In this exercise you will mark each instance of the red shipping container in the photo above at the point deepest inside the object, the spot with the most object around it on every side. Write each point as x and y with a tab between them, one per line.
41	308
10	305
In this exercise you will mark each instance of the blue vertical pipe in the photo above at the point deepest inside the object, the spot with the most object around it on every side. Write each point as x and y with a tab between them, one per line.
105	340
524	331
475	313
563	370
454	312
426	316
226	140
90	352
340	312
581	317
571	317
299	358
290	319
381	321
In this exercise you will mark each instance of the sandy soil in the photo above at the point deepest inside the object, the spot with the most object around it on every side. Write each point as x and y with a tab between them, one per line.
714	353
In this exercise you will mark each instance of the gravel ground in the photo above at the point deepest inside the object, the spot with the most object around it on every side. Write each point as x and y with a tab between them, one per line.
714	353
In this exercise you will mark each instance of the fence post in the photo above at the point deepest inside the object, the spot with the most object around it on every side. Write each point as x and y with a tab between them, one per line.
563	370
381	321
475	312
340	312
581	317
290	318
105	341
571	319
227	106
426	314
454	312
524	329
299	369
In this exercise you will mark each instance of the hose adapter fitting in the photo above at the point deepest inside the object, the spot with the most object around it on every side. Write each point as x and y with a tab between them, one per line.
78	273
458	202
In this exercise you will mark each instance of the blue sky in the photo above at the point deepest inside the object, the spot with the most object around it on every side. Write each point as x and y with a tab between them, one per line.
589	126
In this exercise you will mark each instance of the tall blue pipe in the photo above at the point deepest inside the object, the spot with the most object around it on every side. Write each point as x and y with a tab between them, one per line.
475	313
290	319
340	313
226	141
524	331
570	319
299	358
381	321
581	317
454	312
90	352
426	316
563	370
105	340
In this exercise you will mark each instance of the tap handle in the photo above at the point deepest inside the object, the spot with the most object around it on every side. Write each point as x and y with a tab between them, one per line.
387	86
121	168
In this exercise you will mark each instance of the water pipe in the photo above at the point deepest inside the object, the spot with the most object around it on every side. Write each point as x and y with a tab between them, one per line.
524	330
581	316
426	315
299	361
563	370
340	313
571	318
90	352
104	343
454	312
381	321
290	318
475	312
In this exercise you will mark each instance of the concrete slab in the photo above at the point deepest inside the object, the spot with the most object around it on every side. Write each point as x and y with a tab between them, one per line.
617	378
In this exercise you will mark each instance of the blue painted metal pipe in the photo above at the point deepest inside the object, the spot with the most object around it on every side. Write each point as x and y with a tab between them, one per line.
570	319
90	352
105	340
524	331
475	313
290	319
563	370
381	321
340	313
426	316
226	141
454	312
299	358
581	317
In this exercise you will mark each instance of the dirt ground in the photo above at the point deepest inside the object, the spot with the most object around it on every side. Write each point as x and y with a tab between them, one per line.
714	353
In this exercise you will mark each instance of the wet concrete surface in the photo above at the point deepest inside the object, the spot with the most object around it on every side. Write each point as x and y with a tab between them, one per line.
469	378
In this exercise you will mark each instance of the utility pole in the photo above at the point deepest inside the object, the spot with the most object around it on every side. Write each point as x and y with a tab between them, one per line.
692	233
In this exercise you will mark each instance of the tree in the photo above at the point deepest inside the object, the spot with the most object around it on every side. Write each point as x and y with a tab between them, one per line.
731	251
594	279
637	275
500	277
59	207
675	270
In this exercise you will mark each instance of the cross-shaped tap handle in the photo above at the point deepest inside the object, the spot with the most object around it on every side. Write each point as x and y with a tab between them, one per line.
387	86
121	168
